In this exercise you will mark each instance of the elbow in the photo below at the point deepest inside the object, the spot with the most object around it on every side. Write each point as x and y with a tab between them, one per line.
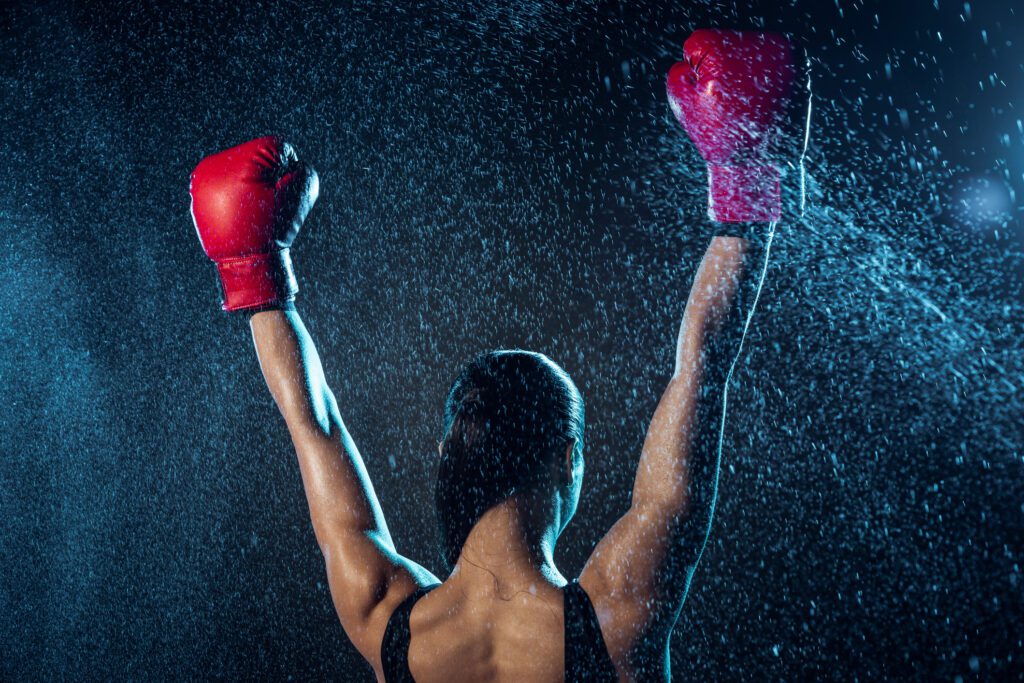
308	409
683	512
666	512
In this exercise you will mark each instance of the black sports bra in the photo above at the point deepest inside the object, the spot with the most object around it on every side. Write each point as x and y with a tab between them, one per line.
586	657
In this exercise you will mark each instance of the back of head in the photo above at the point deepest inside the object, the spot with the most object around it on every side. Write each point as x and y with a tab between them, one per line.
508	419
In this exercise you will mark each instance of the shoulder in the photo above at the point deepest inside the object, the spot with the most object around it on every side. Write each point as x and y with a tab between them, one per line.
369	637
394	646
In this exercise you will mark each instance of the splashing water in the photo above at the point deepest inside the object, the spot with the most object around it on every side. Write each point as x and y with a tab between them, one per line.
499	175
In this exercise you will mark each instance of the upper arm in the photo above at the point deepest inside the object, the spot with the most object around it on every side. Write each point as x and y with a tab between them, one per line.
637	577
648	555
639	573
367	577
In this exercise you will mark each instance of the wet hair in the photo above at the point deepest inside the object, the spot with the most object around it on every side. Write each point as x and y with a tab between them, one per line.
508	417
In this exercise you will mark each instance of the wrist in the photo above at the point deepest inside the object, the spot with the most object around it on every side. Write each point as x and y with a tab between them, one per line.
755	232
285	306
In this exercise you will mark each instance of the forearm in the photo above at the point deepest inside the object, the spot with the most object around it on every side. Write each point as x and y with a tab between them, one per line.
337	486
679	467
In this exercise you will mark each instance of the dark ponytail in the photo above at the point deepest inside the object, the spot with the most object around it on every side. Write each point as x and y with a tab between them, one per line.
509	415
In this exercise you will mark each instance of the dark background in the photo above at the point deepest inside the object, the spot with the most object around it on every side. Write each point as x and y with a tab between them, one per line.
506	176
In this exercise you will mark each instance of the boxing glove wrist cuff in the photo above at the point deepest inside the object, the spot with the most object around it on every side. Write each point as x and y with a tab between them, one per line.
752	232
742	194
257	281
288	306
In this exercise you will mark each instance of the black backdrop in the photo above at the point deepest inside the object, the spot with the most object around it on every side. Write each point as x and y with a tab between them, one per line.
504	176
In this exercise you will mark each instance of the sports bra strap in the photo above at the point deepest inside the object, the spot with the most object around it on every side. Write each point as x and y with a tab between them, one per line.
394	649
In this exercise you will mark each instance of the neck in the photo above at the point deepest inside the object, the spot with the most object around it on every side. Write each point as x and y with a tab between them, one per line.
510	549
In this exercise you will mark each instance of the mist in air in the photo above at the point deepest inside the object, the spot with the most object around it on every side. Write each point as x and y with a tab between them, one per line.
507	177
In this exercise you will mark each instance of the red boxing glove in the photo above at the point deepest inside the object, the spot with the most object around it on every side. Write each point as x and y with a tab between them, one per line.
738	98
248	204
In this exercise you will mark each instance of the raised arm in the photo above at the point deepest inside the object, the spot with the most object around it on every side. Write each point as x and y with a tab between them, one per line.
248	204
639	573
366	575
732	95
677	477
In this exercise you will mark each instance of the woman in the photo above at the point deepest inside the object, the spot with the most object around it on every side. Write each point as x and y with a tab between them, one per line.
512	454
